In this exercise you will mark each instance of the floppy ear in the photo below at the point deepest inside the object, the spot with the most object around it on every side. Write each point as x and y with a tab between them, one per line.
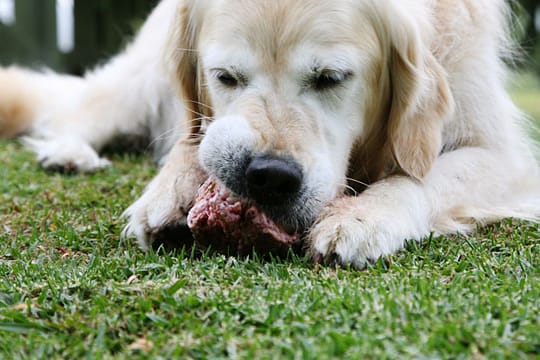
183	63
420	95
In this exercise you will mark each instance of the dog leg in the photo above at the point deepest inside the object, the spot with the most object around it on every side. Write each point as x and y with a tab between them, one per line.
162	209
65	154
454	196
70	119
35	104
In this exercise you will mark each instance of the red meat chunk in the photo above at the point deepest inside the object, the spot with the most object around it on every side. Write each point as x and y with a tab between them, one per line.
229	224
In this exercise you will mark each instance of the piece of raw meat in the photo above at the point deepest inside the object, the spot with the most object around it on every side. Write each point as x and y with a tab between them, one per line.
232	225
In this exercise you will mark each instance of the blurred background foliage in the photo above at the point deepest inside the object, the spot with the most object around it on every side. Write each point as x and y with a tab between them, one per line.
101	27
528	32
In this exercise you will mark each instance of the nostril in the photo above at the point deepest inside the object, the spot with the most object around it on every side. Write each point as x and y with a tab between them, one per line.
272	179
257	178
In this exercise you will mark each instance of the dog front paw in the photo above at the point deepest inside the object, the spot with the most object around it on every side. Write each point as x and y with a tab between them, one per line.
66	155
350	232
156	226
159	216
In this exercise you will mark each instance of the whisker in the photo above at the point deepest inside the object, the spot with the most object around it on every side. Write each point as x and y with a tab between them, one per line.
163	136
171	132
350	188
201	116
358	182
202	104
186	50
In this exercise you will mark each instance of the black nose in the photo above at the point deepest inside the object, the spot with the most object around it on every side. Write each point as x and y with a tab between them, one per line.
272	180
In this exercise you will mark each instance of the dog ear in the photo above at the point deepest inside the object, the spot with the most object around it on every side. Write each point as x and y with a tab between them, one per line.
183	63
420	95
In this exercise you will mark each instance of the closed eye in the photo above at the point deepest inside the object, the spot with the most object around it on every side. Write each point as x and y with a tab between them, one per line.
228	78
328	79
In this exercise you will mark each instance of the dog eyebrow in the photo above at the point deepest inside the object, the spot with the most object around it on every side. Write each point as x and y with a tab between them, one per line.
235	71
334	74
334	64
344	73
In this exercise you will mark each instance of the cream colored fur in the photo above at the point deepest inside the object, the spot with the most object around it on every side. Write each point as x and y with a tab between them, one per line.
420	124
67	120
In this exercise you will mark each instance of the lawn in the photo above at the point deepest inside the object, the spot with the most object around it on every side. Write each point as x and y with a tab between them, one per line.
70	288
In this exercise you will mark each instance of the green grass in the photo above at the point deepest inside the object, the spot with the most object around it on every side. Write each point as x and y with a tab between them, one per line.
70	288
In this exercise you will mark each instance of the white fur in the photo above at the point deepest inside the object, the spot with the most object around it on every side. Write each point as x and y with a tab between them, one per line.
461	153
66	152
491	172
129	96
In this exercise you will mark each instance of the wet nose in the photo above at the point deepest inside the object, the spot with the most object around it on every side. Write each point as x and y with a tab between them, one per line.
272	180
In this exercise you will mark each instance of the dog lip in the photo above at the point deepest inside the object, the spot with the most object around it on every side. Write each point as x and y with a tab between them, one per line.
284	214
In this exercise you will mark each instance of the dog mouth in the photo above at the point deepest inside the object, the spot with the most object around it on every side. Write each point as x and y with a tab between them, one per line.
232	224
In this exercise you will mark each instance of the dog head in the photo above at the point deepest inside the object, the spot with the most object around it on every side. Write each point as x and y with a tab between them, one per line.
303	96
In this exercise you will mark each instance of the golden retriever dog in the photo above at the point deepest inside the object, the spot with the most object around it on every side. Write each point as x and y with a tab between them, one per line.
370	122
